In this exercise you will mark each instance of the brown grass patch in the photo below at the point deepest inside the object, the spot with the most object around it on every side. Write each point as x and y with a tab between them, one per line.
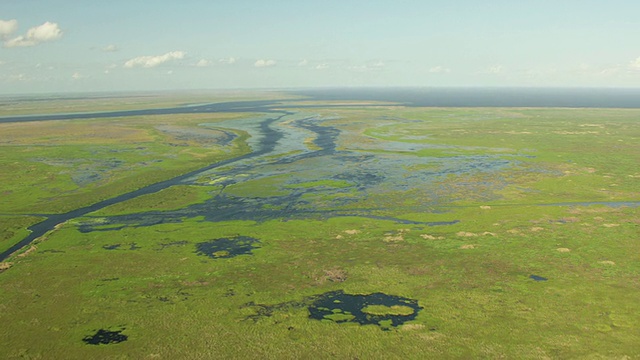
536	229
412	327
468	246
334	275
393	238
606	262
5	265
592	210
29	251
485	207
563	250
466	234
195	283
610	225
352	232
65	133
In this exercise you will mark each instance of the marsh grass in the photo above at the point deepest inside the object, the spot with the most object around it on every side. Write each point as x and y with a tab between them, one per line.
172	198
477	302
56	166
14	229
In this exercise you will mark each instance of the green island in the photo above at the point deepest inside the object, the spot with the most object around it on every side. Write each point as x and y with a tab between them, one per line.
318	229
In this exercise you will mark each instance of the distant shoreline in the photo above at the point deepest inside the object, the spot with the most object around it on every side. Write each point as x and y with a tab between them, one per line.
409	96
628	98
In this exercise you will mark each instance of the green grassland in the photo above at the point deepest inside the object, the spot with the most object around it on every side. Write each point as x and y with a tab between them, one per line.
57	166
528	188
14	228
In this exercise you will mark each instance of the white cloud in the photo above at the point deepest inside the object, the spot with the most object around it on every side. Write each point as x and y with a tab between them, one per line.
153	61
439	70
110	48
610	70
264	63
18	77
76	75
376	66
204	63
46	32
495	69
108	68
8	27
227	61
614	70
303	62
322	66
359	68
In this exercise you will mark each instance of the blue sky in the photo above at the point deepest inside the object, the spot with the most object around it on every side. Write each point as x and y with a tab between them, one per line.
87	45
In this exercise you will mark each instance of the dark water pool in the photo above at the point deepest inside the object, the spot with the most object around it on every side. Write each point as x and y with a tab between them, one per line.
227	247
538	278
379	309
105	337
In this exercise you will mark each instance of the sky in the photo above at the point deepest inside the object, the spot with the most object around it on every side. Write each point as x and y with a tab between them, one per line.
52	46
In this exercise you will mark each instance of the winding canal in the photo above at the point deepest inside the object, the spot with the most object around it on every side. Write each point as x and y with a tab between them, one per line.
269	136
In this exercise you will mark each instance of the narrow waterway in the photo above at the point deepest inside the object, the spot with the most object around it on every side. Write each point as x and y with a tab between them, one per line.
269	136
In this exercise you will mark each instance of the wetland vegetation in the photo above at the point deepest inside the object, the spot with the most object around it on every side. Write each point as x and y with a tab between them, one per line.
324	229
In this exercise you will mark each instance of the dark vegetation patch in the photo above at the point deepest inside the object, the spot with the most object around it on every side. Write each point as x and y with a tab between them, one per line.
132	246
53	251
227	247
364	179
105	337
171	244
86	228
180	295
379	309
538	278
263	310
199	135
231	208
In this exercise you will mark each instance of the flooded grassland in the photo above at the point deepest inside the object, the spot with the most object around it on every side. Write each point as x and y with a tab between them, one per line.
324	232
